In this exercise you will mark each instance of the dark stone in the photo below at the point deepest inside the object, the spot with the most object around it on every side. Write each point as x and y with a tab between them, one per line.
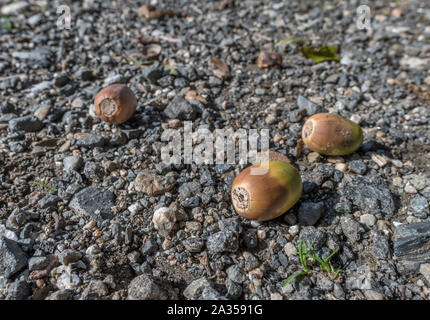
234	291
369	196
310	212
149	247
93	202
153	72
6	107
145	287
12	258
358	166
310	107
27	124
193	244
181	109
18	290
419	207
40	56
317	238
48	201
412	246
92	141
223	241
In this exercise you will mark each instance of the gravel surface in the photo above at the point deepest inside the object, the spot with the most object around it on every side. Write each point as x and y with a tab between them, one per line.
108	220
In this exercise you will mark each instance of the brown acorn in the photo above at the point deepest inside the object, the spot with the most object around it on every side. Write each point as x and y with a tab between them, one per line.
268	59
266	190
331	135
115	103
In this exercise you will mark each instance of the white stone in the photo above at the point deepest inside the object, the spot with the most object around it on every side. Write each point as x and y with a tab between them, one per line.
368	220
290	249
164	220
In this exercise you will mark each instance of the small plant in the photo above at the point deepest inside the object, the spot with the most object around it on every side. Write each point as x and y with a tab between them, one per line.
307	251
44	185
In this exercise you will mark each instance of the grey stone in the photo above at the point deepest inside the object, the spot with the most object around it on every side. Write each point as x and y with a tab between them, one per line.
419	207
181	109
27	124
351	228
230	224
94	203
189	189
369	196
380	247
153	72
59	295
40	56
92	141
72	163
235	274
195	288
411	243
18	290
310	212
12	258
317	238
149	247
95	290
223	241
69	256
37	263
358	166
250	239
234	291
48	201
251	261
209	293
145	287
193	244
310	107
6	107
425	271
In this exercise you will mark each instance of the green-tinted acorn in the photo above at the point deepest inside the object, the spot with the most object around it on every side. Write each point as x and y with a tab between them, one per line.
331	135
266	190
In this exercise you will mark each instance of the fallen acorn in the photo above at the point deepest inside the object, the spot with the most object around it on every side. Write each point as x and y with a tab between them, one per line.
266	196
115	103
331	135
268	59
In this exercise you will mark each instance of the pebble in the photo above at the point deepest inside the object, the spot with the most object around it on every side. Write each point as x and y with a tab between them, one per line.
419	207
195	288
164	219
223	241
310	213
69	256
93	203
12	258
425	271
368	220
26	124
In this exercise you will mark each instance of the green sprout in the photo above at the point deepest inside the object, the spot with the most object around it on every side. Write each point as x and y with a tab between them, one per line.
307	251
44	185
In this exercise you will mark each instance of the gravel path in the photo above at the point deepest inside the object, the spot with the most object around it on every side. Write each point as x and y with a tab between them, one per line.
89	211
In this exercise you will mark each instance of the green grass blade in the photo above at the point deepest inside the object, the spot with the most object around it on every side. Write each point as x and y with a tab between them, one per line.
44	185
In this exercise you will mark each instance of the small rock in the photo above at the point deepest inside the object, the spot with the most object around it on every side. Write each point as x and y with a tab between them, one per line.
358	166
18	290
195	288
38	263
316	237
425	271
368	220
153	184
181	109
93	202
351	228
310	212
164	220
144	287
59	295
12	258
193	244
223	241
235	274
69	256
310	107
27	124
92	141
419	207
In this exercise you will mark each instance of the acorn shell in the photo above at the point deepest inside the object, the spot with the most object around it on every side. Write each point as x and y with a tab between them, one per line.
266	196
115	103
331	135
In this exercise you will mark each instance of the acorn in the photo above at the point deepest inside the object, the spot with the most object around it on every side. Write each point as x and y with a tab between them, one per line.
266	196
331	135
115	103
